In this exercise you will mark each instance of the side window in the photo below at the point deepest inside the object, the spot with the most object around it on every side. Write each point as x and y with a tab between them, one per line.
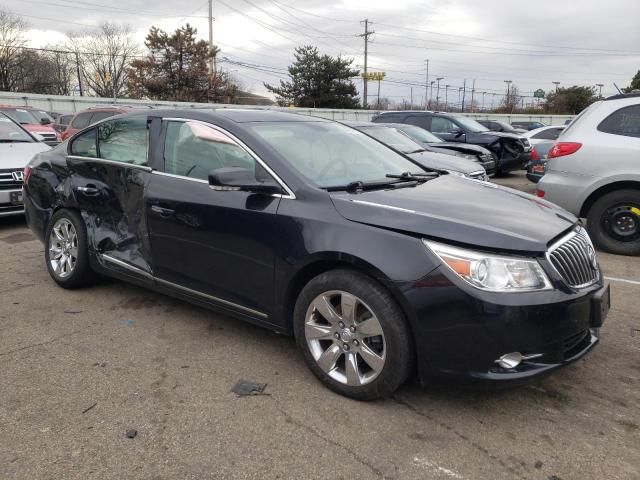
192	150
625	121
124	140
81	121
85	145
97	116
423	121
443	125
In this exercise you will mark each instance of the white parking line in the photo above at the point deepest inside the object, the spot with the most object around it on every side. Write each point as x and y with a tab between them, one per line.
435	468
624	280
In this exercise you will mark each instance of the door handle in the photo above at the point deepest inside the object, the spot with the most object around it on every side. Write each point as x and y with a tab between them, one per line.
88	190
163	212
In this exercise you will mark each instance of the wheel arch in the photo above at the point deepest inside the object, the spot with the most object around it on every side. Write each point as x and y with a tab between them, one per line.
332	261
605	189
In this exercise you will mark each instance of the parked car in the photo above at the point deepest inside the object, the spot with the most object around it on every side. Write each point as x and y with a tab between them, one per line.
17	148
498	126
62	122
32	121
527	124
544	134
593	172
433	161
311	228
92	115
537	164
511	151
434	144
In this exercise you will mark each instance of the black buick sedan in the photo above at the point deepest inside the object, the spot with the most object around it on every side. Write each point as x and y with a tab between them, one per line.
311	228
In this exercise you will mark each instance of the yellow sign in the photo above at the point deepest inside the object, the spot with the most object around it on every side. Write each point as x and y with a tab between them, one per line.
374	75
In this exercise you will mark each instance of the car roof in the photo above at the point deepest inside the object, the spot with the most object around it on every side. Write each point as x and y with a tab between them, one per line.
621	96
237	115
360	123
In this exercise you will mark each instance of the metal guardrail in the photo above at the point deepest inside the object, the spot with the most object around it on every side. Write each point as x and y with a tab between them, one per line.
72	104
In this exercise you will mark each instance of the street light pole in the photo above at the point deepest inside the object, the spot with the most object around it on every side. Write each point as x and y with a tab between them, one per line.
600	85
431	94
509	102
438	92
426	88
446	97
556	84
482	107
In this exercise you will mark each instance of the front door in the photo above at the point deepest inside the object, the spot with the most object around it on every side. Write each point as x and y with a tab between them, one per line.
109	171
216	245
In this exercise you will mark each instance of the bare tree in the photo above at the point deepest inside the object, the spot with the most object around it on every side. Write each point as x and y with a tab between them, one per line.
104	57
12	41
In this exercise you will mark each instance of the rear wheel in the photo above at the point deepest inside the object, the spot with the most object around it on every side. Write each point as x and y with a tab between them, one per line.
613	222
353	335
66	250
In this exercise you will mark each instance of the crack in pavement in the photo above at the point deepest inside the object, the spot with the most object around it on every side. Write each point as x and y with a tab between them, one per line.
33	345
376	471
461	436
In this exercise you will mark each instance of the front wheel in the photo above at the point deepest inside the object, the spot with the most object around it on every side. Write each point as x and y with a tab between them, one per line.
353	335
613	222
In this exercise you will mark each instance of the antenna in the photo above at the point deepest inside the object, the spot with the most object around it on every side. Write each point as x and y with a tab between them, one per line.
619	91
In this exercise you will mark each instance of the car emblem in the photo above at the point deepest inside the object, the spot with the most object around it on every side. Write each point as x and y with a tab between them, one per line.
18	176
592	257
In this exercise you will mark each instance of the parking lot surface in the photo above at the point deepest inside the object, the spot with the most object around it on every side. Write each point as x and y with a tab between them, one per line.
81	368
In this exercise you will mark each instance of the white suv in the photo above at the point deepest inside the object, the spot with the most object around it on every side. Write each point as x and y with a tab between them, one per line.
594	172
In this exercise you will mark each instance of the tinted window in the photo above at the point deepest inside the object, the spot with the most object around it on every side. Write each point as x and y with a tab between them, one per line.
10	132
548	134
81	120
21	116
443	125
64	119
97	116
423	121
85	145
124	140
625	121
393	138
193	150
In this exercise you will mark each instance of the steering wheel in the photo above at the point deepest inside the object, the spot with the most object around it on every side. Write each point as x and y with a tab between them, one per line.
329	165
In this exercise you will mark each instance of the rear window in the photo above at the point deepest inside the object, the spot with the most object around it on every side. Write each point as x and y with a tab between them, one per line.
548	134
625	122
101	116
81	120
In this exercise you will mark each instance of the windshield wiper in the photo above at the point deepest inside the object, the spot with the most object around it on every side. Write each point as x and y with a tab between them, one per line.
11	140
419	150
413	177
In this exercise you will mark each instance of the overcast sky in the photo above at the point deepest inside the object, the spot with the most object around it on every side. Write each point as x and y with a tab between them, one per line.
581	42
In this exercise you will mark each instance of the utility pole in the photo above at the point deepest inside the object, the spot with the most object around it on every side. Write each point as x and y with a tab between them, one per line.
464	94
78	72
366	45
411	98
446	97
508	101
212	61
482	107
431	95
426	88
438	92
493	100
600	85
473	91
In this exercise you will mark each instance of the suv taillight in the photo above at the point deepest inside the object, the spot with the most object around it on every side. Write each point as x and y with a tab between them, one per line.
534	154
26	174
561	149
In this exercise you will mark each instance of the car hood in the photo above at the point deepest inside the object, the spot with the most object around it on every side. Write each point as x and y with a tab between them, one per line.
461	147
17	155
442	161
36	127
460	210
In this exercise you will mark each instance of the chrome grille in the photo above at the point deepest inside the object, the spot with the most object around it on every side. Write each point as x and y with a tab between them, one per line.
479	175
7	180
574	259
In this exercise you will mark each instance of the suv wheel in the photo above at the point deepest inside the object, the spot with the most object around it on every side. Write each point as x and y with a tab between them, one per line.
613	222
353	335
66	251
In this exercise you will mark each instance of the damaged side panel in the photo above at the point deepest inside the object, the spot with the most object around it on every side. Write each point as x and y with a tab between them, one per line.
110	197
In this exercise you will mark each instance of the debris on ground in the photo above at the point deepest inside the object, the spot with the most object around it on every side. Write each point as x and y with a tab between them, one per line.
244	388
128	322
89	408
132	433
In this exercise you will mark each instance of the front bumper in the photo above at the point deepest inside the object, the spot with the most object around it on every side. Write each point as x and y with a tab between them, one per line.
460	333
11	202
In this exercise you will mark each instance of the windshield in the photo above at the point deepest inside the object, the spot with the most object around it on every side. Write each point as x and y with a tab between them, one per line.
10	132
419	134
20	116
471	125
392	137
332	155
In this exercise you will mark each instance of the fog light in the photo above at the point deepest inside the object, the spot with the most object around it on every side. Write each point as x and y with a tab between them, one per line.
513	359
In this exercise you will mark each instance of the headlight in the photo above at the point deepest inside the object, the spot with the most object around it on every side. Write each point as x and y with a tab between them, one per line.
493	273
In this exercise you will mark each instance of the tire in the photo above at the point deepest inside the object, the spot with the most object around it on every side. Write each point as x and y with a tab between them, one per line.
349	368
66	238
599	221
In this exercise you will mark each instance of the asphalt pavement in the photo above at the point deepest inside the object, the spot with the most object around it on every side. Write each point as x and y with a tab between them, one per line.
79	369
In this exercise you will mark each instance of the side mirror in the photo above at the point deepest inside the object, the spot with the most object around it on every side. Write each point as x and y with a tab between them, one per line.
237	178
458	132
44	121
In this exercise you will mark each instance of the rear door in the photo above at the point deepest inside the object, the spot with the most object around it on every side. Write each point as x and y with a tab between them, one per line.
109	170
218	246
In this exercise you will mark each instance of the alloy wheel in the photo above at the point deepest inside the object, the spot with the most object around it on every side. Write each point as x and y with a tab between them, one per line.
63	248
345	338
